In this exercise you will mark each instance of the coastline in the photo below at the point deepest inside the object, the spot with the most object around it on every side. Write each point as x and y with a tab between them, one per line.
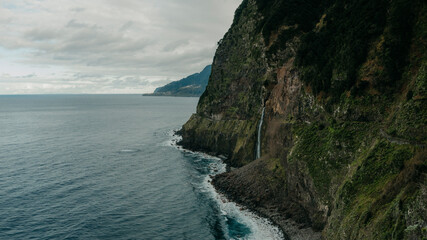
223	183
227	200
343	137
290	228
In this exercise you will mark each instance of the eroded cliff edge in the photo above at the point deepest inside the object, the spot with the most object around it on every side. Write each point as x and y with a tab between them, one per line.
343	84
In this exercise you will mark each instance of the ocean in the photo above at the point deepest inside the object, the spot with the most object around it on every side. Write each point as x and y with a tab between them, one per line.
107	167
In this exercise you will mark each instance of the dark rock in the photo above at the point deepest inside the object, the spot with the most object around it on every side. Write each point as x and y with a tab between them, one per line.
343	139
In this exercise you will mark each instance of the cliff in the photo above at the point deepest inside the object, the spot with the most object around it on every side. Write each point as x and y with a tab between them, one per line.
343	138
191	86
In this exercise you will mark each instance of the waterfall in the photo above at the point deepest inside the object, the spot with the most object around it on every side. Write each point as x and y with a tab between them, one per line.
258	147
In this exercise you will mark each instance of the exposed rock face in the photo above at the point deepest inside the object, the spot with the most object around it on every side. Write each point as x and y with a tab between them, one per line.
344	133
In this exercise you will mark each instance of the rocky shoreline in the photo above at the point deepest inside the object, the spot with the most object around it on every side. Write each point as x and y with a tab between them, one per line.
290	228
259	201
344	133
271	214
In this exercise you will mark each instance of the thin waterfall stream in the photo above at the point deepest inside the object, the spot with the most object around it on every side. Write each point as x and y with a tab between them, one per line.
258	148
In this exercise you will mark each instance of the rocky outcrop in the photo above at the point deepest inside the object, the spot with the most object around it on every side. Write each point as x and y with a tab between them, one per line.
344	133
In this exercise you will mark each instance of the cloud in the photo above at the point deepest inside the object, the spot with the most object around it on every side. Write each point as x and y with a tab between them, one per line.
77	9
126	26
74	24
106	45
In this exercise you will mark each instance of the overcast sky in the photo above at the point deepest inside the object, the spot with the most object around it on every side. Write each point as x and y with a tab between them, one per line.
106	46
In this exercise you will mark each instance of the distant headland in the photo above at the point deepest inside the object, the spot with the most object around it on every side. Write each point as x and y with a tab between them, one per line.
191	86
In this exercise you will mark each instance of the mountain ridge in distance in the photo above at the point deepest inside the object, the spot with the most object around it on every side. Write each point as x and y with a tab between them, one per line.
190	86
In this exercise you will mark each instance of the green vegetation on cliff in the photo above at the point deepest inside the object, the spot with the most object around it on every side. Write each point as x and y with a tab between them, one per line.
191	86
344	85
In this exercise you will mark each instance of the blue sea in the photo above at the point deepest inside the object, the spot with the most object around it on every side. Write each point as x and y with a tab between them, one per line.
107	167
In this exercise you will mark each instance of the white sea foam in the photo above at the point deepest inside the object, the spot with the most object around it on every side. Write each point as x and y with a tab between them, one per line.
129	150
261	228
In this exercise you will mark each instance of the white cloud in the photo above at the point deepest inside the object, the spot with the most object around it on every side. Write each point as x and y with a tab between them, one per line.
95	46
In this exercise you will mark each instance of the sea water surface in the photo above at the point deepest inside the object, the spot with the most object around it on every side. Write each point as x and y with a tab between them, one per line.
106	167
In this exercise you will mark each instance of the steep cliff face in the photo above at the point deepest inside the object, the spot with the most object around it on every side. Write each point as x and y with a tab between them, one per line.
343	141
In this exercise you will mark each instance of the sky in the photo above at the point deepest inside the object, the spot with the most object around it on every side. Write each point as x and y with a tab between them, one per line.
106	46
